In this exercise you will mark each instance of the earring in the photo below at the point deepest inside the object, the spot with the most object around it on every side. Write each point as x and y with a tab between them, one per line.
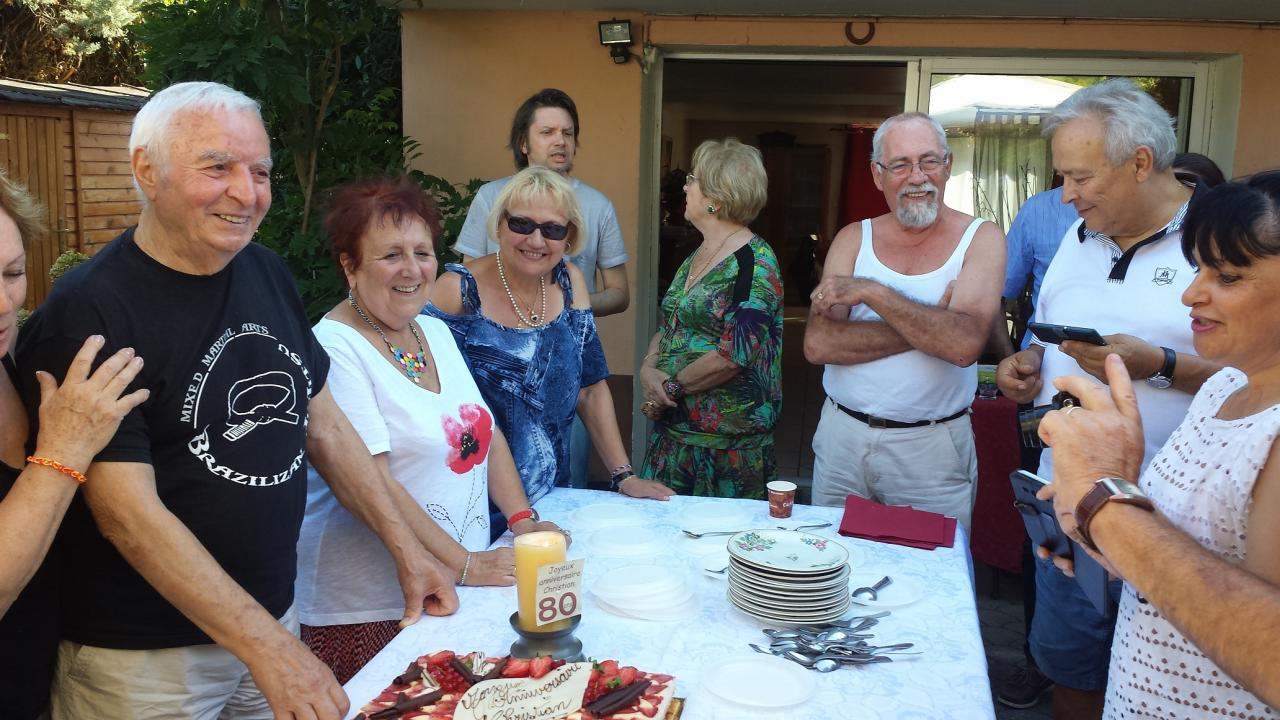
711	209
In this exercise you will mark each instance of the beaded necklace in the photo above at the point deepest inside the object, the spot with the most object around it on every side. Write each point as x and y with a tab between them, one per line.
534	320
414	365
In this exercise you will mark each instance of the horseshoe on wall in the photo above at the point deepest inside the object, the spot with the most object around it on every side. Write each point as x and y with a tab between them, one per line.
848	32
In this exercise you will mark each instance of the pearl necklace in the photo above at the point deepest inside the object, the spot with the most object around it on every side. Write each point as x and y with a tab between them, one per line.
534	320
413	365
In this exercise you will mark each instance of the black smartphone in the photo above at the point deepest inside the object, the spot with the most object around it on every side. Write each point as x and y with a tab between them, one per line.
1044	530
1055	334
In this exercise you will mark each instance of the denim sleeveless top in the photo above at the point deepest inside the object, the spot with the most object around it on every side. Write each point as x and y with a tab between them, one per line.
530	377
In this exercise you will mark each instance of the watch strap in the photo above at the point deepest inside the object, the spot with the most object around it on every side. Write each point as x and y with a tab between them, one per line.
1103	492
1166	368
526	514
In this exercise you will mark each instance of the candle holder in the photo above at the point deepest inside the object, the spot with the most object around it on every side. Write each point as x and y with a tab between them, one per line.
558	644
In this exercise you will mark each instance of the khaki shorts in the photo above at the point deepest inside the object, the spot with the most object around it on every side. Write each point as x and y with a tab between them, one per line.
934	467
199	682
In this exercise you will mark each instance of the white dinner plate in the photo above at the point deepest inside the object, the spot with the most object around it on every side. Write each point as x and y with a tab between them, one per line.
602	515
794	613
904	590
793	596
713	516
629	542
762	681
679	611
793	582
772	616
789	551
634	580
816	606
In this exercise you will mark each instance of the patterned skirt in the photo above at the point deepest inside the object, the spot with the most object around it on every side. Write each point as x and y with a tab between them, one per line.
347	648
711	472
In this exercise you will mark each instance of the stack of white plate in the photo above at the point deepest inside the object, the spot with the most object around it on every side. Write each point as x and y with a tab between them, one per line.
788	576
646	592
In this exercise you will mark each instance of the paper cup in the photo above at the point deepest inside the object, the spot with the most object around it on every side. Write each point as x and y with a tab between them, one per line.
782	495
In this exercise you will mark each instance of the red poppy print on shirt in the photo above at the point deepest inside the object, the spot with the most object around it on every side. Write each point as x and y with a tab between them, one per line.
469	436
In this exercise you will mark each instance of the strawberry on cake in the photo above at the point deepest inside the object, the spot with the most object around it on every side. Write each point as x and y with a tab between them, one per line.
434	685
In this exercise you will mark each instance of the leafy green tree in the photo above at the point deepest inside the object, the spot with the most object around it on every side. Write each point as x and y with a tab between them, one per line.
327	73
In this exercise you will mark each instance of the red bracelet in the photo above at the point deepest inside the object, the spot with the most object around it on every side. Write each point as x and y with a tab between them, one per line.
69	472
526	514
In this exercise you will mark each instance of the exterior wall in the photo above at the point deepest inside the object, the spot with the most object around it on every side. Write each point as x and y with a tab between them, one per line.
465	72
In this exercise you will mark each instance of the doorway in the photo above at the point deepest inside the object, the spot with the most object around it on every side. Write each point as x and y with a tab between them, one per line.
812	121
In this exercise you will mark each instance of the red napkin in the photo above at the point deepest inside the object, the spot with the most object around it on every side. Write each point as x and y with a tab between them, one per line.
896	524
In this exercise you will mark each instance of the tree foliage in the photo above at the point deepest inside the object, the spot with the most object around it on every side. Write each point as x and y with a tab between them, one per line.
63	40
327	73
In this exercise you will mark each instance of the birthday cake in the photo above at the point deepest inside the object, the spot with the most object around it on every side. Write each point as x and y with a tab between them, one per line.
475	686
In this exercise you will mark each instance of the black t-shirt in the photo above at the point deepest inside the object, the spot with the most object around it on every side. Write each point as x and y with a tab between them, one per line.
28	630
231	364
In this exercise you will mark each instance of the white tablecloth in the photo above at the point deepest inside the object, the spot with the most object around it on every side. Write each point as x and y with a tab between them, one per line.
948	680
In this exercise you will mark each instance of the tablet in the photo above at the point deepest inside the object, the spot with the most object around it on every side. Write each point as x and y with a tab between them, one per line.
1044	530
1055	334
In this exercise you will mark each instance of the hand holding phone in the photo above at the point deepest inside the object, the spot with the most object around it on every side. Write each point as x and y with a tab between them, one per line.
1055	334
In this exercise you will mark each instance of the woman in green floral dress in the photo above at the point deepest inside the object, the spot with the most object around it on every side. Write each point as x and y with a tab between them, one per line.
712	378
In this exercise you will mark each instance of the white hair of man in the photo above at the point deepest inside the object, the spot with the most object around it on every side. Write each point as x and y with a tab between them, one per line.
1130	119
153	122
877	140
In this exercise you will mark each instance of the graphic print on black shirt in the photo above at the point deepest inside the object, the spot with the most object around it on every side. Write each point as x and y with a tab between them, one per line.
225	406
231	364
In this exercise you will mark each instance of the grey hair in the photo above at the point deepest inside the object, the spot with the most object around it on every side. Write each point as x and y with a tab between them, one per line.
877	140
1130	119
152	124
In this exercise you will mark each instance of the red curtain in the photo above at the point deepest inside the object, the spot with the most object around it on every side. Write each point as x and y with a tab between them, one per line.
859	197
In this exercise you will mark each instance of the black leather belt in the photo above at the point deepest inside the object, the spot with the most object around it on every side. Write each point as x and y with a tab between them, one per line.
876	422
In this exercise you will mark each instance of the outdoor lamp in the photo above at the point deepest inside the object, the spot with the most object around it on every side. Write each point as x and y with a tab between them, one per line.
616	35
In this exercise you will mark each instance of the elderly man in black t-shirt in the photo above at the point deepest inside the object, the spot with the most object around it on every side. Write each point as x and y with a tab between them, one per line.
177	600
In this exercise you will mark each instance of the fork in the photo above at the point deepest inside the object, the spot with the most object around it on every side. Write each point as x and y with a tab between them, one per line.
713	533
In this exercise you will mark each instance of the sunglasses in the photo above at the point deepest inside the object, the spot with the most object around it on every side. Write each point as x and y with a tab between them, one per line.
524	226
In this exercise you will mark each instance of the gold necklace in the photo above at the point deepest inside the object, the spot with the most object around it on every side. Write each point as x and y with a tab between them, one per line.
695	273
534	320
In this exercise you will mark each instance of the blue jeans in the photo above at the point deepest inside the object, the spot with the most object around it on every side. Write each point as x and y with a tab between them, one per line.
1070	641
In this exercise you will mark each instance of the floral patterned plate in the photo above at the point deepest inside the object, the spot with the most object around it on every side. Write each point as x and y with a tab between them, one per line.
788	551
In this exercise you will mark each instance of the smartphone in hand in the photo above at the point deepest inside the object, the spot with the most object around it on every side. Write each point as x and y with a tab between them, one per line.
1055	334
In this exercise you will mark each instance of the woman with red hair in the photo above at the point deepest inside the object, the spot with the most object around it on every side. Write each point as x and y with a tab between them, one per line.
403	384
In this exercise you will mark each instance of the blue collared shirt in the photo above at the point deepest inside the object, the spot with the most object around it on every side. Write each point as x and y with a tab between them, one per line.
1033	239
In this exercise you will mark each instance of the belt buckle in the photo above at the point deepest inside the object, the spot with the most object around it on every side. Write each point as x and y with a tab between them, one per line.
878	423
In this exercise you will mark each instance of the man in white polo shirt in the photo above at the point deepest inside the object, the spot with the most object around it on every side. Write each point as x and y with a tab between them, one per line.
1119	270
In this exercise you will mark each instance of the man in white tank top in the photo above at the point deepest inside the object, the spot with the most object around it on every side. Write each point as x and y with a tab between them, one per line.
902	313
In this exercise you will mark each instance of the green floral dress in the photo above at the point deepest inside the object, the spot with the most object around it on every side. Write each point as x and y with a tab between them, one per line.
720	442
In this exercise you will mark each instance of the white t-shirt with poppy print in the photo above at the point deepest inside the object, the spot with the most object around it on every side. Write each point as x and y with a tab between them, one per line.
437	446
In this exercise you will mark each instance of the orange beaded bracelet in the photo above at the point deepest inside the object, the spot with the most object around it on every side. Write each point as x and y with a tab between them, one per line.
69	472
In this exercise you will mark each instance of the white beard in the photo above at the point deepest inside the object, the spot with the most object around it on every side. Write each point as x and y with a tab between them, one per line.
917	215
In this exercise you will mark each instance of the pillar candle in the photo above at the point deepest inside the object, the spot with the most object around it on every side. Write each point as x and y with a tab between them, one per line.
533	550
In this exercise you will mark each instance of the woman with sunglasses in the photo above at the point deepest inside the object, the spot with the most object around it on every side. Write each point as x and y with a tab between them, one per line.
522	318
712	377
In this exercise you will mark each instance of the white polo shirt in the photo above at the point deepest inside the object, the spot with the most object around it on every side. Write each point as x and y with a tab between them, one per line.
1092	283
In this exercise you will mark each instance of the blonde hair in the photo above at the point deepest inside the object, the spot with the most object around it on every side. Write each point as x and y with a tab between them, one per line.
27	214
731	175
536	184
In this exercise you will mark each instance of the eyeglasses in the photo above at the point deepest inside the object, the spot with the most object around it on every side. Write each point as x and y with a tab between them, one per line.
902	169
524	226
690	179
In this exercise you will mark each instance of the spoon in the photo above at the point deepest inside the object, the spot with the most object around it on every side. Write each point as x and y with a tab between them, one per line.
809	660
768	651
871	593
826	664
713	533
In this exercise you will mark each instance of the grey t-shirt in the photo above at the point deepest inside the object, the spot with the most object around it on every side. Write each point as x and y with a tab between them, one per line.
600	247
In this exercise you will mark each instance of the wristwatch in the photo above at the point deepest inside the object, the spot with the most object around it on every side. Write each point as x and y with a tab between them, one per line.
1164	376
526	514
1108	489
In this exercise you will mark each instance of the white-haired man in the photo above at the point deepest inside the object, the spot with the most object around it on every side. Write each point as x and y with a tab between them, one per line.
182	554
1119	270
903	310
